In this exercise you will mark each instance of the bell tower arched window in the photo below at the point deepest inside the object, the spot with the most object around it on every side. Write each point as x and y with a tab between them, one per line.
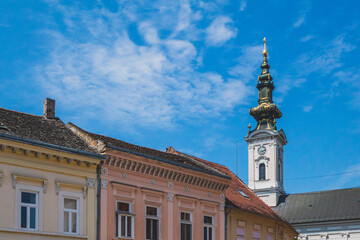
262	171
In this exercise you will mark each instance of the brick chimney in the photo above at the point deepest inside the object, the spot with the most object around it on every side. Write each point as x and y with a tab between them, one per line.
49	108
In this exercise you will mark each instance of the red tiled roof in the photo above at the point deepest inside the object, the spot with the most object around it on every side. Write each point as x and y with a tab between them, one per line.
145	151
251	203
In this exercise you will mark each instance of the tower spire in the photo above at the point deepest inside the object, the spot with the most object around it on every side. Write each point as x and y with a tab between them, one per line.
266	112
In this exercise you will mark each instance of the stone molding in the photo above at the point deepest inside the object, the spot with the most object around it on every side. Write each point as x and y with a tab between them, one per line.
104	183
156	171
15	178
170	197
90	182
104	171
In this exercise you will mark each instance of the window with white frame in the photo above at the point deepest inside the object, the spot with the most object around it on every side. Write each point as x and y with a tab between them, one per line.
185	226
208	228
152	223
29	210
71	215
125	220
70	212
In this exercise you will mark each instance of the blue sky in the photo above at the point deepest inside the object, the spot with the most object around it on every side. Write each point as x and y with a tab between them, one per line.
183	74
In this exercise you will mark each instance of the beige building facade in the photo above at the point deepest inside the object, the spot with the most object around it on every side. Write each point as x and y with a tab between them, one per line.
48	179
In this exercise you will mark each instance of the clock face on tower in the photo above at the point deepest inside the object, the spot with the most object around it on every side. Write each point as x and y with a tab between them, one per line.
261	150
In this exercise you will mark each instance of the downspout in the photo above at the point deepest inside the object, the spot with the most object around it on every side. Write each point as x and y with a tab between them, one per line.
98	200
229	208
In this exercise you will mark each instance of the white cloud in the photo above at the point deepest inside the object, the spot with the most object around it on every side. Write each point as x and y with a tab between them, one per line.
249	62
285	84
306	38
352	175
325	58
300	21
220	31
307	108
243	5
103	71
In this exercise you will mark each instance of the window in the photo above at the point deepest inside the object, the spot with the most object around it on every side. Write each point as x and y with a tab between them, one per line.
242	193
125	220
240	230
186	227
71	215
269	237
240	233
152	223
256	235
262	171
208	228
29	210
70	212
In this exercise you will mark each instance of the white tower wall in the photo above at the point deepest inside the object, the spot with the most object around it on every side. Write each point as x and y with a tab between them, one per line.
266	147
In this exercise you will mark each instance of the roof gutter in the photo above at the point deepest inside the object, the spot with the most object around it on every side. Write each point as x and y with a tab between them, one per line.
98	198
51	146
166	161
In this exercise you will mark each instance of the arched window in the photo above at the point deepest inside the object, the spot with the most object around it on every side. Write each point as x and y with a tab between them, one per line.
262	171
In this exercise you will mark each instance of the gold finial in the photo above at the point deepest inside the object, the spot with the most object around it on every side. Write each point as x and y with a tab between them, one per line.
249	126
265	51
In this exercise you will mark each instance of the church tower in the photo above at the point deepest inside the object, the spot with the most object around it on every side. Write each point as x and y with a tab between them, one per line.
265	142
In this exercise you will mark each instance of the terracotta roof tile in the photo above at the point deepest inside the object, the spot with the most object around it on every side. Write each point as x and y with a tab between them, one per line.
149	152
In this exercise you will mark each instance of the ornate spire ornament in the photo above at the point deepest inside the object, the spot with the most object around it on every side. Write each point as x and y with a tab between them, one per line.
266	112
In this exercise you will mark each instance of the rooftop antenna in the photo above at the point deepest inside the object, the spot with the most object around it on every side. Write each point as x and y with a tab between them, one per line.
236	159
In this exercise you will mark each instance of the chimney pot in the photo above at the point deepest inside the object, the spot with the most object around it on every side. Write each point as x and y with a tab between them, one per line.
49	108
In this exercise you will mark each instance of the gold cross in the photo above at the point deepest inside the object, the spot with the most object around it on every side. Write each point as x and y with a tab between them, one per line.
264	40
265	51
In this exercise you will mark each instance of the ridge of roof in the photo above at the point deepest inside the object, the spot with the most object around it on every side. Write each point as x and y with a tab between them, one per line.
28	114
324	191
154	153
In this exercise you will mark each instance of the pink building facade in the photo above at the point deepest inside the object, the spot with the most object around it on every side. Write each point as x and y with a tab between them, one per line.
150	194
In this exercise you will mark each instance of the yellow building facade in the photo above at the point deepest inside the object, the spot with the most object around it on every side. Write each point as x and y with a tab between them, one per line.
242	225
48	179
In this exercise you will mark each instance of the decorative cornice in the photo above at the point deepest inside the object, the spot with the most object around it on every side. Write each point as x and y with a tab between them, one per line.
37	154
171	175
50	146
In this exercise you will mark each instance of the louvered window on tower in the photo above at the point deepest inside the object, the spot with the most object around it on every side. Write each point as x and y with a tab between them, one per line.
262	171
